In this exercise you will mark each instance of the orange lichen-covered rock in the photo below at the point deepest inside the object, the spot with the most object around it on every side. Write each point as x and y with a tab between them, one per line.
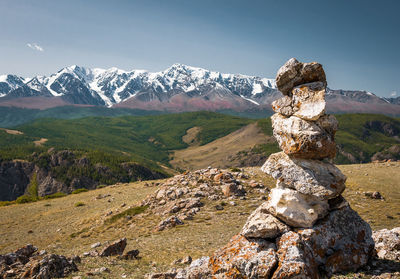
243	258
340	242
295	261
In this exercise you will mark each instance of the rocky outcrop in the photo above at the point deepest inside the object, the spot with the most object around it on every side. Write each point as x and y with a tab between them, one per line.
63	171
27	263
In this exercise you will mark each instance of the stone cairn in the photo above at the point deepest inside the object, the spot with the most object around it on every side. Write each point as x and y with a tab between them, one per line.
305	229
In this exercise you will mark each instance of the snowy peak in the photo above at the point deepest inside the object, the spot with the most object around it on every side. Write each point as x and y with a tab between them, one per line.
179	87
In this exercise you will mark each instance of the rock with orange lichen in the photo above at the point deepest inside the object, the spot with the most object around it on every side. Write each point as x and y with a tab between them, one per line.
295	259
309	177
340	242
306	139
244	258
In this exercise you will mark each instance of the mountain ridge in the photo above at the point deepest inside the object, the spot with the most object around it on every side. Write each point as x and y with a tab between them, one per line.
177	88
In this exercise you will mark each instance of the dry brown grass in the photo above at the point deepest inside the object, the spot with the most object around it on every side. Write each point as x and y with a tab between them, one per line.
218	153
58	226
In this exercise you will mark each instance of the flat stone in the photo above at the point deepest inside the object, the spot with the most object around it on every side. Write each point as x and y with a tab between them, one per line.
294	208
262	224
294	73
306	139
309	177
308	100
244	258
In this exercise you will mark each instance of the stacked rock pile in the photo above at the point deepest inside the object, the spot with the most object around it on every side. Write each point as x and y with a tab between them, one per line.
305	229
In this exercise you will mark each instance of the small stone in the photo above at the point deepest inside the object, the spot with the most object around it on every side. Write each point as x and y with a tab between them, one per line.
115	248
219	207
283	106
261	224
186	260
130	255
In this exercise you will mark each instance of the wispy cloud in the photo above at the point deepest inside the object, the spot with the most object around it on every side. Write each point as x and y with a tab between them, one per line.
393	94
35	46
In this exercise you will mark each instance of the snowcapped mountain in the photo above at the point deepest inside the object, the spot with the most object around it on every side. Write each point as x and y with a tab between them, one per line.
178	88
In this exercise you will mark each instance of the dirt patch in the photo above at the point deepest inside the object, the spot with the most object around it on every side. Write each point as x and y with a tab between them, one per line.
40	142
191	136
12	132
221	152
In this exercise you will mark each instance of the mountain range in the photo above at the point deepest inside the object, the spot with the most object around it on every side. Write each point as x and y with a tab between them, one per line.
178	88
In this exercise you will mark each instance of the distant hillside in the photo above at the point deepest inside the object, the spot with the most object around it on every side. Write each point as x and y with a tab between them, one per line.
183	141
13	116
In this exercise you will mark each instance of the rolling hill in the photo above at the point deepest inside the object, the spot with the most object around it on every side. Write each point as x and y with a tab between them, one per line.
161	143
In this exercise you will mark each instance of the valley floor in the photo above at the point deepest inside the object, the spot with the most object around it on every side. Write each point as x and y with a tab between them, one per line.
60	226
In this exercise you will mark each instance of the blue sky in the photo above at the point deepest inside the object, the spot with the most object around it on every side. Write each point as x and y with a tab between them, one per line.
357	41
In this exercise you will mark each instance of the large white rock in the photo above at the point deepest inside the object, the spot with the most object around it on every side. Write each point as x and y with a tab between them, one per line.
308	100
309	177
261	224
306	139
296	209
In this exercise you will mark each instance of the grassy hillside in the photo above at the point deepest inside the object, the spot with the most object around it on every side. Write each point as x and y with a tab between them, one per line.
12	116
143	138
59	226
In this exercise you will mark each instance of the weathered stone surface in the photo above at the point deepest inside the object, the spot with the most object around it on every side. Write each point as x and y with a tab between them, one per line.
387	244
309	100
306	139
309	177
199	269
115	248
231	189
243	258
262	224
340	242
27	263
295	261
294	73
283	106
294	208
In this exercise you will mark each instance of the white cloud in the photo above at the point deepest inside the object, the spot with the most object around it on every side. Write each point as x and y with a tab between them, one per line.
35	46
393	94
